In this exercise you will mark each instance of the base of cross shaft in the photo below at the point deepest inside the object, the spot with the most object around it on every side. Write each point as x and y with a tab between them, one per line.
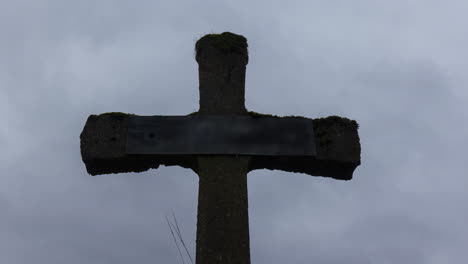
223	221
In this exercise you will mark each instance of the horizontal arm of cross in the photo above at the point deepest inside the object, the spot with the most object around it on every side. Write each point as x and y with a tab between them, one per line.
337	149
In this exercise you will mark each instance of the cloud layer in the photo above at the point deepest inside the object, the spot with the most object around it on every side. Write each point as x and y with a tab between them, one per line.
395	67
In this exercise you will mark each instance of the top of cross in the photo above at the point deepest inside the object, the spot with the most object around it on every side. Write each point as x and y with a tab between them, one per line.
222	60
226	43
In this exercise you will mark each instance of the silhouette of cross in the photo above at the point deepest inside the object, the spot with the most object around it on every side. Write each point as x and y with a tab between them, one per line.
221	143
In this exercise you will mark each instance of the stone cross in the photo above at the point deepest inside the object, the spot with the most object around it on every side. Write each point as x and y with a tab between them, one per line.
221	143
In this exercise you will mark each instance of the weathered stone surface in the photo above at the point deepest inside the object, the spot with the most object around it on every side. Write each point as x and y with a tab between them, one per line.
222	60
103	143
222	223
338	151
223	215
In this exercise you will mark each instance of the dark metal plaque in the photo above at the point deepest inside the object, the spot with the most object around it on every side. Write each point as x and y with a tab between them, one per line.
230	135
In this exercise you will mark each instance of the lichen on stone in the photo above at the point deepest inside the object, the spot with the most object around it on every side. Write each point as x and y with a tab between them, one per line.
259	115
226	42
337	120
116	115
322	127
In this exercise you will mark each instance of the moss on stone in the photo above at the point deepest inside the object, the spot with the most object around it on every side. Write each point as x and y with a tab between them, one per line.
249	113
321	125
259	115
322	128
226	42
331	120
116	115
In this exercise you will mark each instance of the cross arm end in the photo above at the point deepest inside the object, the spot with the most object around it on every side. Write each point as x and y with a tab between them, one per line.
338	151
103	148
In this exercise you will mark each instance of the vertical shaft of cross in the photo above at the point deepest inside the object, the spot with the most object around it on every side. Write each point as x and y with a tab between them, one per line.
222	221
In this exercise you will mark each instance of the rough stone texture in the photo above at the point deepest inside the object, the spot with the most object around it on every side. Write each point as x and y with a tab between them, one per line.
338	150
222	60
222	226
223	220
102	144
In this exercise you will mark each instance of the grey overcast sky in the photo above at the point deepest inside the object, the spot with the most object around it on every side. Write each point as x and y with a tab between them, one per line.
397	67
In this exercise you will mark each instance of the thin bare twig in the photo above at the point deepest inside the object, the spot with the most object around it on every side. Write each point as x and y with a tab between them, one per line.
175	241
180	237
